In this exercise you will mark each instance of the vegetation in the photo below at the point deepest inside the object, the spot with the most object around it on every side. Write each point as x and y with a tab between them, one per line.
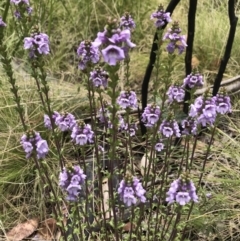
67	23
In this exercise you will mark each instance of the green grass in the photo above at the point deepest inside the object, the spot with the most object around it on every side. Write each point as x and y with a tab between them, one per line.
68	22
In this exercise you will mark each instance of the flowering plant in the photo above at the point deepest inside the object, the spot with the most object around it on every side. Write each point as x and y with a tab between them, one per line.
106	170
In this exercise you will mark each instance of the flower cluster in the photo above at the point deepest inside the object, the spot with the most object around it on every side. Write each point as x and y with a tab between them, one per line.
193	80
33	142
82	134
169	128
127	22
130	189
37	43
223	103
127	99
176	41
99	77
182	191
189	126
117	43
161	17
47	121
88	53
151	115
2	24
204	110
71	180
23	7
175	93
123	126
65	121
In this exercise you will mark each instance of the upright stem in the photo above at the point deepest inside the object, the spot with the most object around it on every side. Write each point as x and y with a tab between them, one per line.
188	57
233	24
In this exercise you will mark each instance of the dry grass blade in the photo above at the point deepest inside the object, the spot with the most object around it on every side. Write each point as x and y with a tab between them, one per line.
105	191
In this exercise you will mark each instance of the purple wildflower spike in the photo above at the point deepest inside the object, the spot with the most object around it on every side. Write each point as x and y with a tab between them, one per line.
130	190
204	110
182	191
161	17
175	93
71	180
193	80
127	22
223	104
37	44
32	141
65	121
88	53
99	77
189	126
47	121
82	134
151	115
115	42
127	99
169	128
176	41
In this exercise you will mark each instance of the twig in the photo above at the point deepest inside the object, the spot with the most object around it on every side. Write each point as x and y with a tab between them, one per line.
233	24
188	56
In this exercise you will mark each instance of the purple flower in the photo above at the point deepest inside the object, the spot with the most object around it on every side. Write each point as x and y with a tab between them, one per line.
71	180
127	99
175	93
42	149
159	146
130	189
65	122
182	192
169	128
127	22
88	53
82	134
22	6
116	43
47	121
29	10
176	41
189	126
17	14
223	104
31	142
113	54
124	127
204	110
2	24
151	115
193	80
38	44
161	17
99	77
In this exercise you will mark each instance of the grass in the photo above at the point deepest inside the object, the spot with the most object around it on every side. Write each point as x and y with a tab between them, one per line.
68	23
